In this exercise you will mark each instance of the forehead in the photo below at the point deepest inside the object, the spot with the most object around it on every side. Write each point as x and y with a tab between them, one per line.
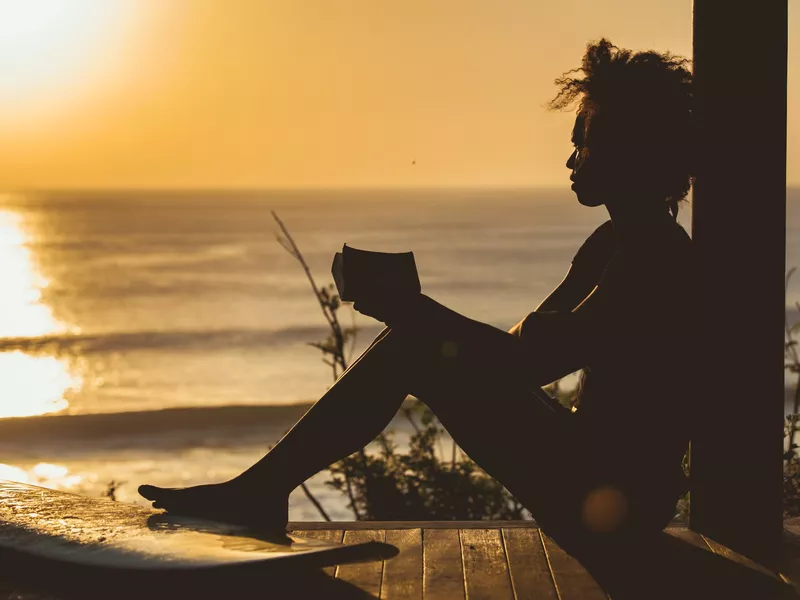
579	127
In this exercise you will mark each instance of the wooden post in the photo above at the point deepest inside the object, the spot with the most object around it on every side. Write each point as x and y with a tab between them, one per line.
739	232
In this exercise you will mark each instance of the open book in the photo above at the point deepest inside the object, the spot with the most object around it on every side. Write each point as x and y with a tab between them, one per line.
363	271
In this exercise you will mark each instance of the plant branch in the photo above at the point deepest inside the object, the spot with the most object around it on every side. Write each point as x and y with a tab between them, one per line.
791	347
349	487
407	413
315	502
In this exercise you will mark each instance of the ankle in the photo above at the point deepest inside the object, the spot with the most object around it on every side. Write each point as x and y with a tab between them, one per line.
253	481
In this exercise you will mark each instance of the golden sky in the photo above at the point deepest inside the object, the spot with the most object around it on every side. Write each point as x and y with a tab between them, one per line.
309	93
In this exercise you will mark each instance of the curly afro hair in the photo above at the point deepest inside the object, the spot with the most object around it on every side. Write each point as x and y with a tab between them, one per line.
645	100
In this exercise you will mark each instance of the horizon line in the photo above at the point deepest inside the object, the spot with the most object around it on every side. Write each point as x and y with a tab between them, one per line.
290	189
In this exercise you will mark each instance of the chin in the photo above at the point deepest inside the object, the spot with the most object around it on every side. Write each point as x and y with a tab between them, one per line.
590	199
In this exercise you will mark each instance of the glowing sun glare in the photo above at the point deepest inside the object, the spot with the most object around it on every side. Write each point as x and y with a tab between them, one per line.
49	45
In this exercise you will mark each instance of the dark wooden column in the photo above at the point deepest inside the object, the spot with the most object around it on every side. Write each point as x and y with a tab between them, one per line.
739	229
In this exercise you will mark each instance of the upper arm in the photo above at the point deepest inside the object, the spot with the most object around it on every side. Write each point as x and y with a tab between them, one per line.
572	290
585	271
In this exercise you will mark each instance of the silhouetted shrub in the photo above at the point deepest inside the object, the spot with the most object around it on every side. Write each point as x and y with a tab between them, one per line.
791	465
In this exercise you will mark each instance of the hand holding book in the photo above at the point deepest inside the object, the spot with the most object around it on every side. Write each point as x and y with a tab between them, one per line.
379	283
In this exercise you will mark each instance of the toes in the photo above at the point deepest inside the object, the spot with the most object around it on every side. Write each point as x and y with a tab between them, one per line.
150	492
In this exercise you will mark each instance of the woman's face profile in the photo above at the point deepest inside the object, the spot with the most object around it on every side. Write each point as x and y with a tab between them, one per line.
598	170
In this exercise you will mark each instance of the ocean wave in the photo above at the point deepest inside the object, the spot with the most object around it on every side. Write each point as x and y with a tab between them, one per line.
143	340
152	426
151	432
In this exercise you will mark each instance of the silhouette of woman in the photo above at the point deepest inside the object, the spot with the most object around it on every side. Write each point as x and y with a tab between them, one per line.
623	315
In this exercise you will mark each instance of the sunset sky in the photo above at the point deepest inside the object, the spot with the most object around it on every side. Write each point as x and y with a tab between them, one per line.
311	93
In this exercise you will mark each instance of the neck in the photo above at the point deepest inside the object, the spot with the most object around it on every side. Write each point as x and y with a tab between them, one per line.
636	219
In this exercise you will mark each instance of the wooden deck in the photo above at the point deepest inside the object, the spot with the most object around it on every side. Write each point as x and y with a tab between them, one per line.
495	560
515	560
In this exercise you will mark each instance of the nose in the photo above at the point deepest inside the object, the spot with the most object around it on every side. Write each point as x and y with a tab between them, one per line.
571	160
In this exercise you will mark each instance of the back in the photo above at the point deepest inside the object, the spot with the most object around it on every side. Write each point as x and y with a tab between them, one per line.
635	394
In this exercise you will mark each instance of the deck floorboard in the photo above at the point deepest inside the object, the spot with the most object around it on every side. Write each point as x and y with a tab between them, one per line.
530	569
504	560
443	570
486	573
402	576
490	560
368	575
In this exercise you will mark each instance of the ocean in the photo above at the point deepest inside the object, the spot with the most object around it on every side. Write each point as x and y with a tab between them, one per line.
164	337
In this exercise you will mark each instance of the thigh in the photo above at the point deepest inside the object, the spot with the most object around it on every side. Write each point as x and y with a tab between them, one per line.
532	447
440	365
462	377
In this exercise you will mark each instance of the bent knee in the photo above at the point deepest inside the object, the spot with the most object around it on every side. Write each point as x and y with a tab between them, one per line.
422	346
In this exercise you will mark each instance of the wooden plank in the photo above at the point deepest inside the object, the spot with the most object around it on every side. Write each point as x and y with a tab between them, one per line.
443	570
572	582
402	575
354	525
726	552
530	571
792	525
722	573
790	555
329	535
689	536
366	576
486	574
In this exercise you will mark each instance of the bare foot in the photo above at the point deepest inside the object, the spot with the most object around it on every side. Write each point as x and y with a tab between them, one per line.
233	502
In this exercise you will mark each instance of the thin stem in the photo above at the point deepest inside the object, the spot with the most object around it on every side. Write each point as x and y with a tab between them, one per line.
796	406
330	315
353	335
439	443
407	413
792	348
295	251
315	502
349	487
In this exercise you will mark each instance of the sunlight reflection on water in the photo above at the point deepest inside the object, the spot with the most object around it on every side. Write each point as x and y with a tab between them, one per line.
29	384
42	474
34	385
22	314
